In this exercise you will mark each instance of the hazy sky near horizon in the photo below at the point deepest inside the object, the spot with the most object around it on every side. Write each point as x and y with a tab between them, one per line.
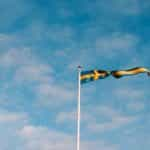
41	44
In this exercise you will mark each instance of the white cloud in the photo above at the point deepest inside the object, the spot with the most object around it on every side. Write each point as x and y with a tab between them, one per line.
115	44
16	56
9	117
42	138
115	123
99	119
52	33
16	128
70	118
28	67
119	7
34	72
66	116
4	37
96	145
54	95
125	92
111	119
136	106
128	7
29	70
54	91
10	123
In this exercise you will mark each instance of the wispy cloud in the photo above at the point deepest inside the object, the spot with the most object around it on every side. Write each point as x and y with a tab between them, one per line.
10	123
125	92
121	7
128	7
4	37
41	138
136	106
12	117
16	56
34	72
17	128
100	119
52	95
113	120
115	123
64	117
116	44
41	44
39	76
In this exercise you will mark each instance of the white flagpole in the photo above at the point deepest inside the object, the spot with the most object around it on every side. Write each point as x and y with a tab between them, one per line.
78	109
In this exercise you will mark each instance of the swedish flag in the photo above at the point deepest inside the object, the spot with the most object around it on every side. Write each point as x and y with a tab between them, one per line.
133	71
93	75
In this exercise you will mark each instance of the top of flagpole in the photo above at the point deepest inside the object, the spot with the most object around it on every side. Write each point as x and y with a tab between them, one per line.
79	67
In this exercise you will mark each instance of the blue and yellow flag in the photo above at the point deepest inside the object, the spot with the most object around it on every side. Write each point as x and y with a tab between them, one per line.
133	71
93	75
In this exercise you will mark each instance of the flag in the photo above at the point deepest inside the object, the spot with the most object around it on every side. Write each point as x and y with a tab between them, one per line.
93	75
133	71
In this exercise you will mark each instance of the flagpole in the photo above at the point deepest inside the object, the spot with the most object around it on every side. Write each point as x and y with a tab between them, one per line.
78	109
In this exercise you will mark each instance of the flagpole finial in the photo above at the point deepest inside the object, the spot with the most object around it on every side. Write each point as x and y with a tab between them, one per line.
79	67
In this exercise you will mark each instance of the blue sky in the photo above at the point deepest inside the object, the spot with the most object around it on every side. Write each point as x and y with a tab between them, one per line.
41	44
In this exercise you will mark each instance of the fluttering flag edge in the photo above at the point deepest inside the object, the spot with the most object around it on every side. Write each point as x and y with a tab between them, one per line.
93	75
128	72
